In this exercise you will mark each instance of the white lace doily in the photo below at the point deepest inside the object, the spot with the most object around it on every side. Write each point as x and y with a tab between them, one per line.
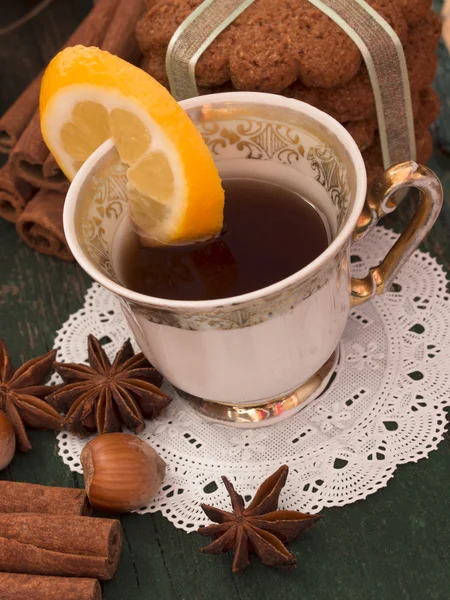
385	406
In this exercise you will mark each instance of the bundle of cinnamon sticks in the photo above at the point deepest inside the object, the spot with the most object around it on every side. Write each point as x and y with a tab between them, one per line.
49	548
32	187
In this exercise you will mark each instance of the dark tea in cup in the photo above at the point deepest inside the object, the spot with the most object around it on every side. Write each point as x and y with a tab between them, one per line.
270	232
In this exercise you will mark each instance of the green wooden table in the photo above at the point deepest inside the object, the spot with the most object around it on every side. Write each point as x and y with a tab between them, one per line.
395	545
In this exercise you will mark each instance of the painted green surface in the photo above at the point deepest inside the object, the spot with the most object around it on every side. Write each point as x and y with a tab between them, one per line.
395	545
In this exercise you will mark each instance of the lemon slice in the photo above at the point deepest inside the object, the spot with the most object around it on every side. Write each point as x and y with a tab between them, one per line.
174	190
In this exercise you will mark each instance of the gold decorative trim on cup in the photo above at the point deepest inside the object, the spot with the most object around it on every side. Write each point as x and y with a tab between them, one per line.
269	412
245	313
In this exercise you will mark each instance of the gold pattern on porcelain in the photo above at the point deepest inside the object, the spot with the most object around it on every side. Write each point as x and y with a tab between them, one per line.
244	313
332	176
103	206
257	139
265	140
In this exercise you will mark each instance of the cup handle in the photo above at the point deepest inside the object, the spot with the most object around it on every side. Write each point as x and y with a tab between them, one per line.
382	201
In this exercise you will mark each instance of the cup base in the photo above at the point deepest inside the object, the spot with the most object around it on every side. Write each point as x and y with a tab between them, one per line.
267	413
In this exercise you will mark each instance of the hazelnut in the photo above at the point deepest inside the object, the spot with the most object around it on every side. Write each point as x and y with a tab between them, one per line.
121	472
7	441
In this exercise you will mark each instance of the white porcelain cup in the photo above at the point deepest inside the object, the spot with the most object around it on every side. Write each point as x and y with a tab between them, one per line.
241	359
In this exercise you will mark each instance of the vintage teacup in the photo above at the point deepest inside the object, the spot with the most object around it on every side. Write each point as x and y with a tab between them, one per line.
259	357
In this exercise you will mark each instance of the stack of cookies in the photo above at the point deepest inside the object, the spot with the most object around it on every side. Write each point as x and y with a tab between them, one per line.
290	47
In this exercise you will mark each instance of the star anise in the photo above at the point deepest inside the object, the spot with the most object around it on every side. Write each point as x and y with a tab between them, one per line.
103	396
259	528
22	393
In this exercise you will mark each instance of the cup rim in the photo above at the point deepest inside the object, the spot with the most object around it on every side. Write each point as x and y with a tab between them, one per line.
330	123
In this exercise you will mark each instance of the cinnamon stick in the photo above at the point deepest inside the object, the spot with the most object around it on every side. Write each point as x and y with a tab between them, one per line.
14	194
41	224
30	152
17	117
29	157
59	545
51	170
18	497
120	38
17	586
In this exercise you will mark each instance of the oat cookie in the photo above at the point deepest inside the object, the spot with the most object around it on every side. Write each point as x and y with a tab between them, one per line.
291	47
363	132
414	11
269	46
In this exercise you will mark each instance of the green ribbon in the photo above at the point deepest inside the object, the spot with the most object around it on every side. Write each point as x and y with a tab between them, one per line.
383	54
378	43
192	38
